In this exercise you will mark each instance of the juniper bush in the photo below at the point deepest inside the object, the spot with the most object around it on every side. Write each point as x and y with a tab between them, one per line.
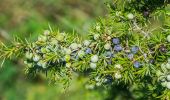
122	48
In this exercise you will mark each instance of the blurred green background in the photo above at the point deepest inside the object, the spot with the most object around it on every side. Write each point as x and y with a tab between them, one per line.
28	19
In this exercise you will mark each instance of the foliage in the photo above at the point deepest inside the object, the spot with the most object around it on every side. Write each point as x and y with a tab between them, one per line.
128	48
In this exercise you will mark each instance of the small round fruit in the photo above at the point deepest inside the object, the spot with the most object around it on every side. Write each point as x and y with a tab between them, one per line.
96	36
136	64
146	13
74	46
42	64
151	61
29	55
94	58
108	79
88	51
36	58
117	48
168	38
168	66
168	60
46	32
115	41
135	49
130	56
164	84
109	37
130	16
163	49
93	65
168	85
60	37
118	66
118	75
168	77
81	53
68	51
86	42
108	54
54	42
107	46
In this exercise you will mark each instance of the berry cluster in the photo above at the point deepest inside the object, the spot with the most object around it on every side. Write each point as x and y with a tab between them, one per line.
40	54
164	75
122	48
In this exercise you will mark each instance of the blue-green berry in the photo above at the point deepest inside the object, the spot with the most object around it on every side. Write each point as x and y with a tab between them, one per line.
86	42
108	79
36	58
96	36
74	46
117	48
81	53
130	56
136	64
168	77
115	41
29	55
118	75
151	61
88	51
118	66
94	58
134	49
108	54
168	38
130	16
67	51
167	66
168	85
107	46
93	65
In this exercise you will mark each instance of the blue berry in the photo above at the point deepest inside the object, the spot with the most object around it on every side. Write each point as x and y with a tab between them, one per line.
117	48
135	49
130	56
136	64
163	49
115	41
108	54
88	51
146	13
109	79
151	61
